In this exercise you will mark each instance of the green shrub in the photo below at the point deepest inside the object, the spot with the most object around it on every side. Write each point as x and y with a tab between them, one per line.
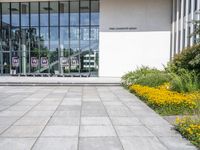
154	79
184	81
145	76
188	59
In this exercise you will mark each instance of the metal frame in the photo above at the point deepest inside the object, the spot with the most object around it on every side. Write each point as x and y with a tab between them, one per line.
68	27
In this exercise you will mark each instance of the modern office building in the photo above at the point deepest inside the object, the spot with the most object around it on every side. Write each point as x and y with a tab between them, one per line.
95	37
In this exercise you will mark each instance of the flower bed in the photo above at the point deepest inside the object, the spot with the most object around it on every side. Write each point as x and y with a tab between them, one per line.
166	102
190	129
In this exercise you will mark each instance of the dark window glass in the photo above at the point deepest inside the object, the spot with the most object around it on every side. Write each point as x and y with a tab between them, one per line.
24	14
53	13
84	12
189	30
64	13
74	13
15	14
44	16
94	12
185	4
195	4
189	6
34	16
5	26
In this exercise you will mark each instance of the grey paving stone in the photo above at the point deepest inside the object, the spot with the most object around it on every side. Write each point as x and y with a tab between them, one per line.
67	114
32	121
7	120
19	108
69	108
56	144
105	143
3	128
95	121
133	131
60	131
141	143
23	131
125	121
97	131
8	113
175	143
71	102
150	121
91	99
120	113
40	114
64	121
113	103
94	113
44	108
166	131
98	108
16	143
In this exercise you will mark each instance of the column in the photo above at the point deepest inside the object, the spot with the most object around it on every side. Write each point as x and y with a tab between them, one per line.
192	18
173	29
177	26
186	23
181	25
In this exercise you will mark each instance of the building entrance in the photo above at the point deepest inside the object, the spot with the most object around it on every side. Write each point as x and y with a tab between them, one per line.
50	38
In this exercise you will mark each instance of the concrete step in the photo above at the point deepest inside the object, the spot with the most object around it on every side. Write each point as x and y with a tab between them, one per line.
57	81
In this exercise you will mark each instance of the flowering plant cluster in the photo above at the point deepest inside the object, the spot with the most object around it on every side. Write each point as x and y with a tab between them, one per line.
190	129
167	102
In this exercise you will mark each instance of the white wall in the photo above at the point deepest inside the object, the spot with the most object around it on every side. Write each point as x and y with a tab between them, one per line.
123	50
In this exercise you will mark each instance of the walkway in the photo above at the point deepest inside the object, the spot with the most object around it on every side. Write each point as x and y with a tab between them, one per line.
81	118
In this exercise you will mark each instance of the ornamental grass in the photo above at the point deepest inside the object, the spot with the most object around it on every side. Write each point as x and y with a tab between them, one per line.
167	102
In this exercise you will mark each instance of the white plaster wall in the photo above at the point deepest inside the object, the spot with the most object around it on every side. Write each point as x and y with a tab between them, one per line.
124	50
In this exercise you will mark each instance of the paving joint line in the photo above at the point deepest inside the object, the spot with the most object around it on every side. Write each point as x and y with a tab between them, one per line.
110	120
37	138
141	121
22	115
82	90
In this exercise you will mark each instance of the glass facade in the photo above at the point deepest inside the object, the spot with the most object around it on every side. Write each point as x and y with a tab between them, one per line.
57	37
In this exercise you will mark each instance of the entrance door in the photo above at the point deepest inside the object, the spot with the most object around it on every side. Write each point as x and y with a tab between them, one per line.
6	63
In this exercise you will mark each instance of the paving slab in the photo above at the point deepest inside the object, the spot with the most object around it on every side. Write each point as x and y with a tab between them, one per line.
82	118
56	144
105	143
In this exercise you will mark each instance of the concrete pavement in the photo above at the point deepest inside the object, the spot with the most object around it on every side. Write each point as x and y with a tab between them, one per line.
81	118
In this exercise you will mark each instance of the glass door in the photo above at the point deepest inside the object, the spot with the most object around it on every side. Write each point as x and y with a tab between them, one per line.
6	63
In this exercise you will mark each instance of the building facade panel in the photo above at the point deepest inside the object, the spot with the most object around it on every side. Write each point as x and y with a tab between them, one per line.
134	33
190	11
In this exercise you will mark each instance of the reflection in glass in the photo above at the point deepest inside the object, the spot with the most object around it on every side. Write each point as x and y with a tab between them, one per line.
54	38
24	14
64	13
34	16
55	31
84	12
44	16
5	14
15	14
74	13
94	12
53	13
